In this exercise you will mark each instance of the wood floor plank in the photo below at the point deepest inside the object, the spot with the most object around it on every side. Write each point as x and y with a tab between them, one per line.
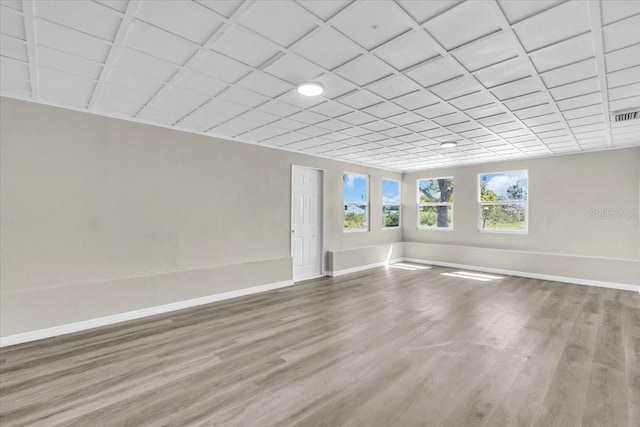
383	347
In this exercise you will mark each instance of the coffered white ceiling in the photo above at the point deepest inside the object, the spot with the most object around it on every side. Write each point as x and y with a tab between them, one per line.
505	79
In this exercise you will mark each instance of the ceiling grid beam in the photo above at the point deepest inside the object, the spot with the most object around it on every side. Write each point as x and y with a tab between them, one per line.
28	14
595	17
444	53
495	9
114	50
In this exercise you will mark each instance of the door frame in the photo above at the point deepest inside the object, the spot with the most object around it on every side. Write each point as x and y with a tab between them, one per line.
322	218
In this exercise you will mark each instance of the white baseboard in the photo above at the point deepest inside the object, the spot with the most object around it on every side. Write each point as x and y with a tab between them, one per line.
136	314
338	273
572	280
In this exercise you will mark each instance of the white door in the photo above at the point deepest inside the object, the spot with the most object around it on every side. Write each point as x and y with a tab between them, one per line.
306	222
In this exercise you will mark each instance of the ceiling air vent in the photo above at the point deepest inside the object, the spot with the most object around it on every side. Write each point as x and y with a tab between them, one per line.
623	116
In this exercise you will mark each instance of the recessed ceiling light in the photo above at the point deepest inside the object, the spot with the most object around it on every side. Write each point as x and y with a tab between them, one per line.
448	144
310	89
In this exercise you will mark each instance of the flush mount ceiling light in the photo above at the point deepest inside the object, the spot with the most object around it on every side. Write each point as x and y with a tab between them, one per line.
310	89
448	144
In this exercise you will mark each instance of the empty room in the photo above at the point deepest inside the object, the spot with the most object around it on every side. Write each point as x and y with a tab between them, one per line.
320	213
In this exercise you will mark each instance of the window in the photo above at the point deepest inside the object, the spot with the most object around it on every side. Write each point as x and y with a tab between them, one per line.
390	203
356	202
435	203
503	201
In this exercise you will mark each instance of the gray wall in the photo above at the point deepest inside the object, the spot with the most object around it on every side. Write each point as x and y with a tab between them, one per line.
101	216
563	192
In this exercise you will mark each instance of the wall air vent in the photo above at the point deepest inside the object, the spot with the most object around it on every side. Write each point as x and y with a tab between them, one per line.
623	116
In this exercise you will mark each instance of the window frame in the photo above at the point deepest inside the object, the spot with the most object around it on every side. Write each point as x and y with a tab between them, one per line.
353	202
420	204
399	205
502	202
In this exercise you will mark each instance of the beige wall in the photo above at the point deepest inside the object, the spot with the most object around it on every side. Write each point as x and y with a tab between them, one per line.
90	202
100	216
563	192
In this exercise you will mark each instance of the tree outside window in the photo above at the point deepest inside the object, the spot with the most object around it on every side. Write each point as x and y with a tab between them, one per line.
435	203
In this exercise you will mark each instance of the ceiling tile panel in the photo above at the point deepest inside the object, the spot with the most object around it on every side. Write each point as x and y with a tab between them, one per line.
623	58
332	109
324	9
364	70
526	101
416	100
62	61
422	11
119	5
405	119
13	48
294	98
393	87
189	20
622	34
202	83
405	51
578	101
436	110
13	70
491	50
144	64
225	8
243	96
328	48
460	86
624	91
159	43
504	72
279	21
583	111
359	99
11	23
434	71
570	73
575	89
13	4
279	108
372	23
550	27
563	53
164	112
245	47
67	40
384	109
625	103
117	107
516	11
294	69
68	89
462	24
613	11
623	77
265	84
85	16
184	97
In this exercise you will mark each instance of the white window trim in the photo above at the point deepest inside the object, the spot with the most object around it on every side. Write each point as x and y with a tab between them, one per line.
368	210
399	205
420	204
503	202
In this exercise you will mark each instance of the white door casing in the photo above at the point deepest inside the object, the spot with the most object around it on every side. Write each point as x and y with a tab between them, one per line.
306	222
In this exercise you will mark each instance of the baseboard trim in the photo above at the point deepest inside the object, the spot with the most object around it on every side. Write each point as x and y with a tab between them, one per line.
563	279
338	273
136	314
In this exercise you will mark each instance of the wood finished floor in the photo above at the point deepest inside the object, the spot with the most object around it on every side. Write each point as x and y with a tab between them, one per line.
387	347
